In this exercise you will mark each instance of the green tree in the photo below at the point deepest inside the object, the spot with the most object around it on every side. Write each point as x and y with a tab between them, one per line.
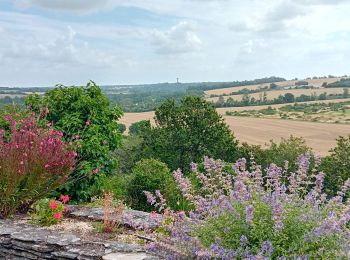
138	127
289	98
84	115
186	132
336	166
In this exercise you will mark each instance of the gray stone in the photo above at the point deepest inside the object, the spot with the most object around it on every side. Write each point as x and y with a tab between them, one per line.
22	241
130	218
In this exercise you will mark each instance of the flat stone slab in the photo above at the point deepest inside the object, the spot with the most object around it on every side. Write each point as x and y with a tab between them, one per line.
130	218
23	241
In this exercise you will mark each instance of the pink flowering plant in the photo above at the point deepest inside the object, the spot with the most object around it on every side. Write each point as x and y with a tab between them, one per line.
47	212
252	214
34	161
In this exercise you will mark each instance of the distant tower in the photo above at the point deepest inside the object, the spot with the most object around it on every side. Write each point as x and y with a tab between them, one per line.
177	80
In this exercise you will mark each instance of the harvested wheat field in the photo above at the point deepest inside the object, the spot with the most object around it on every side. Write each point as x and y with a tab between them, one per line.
276	93
314	82
222	110
320	136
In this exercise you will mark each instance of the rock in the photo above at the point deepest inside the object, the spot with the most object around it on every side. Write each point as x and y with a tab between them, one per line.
130	218
23	241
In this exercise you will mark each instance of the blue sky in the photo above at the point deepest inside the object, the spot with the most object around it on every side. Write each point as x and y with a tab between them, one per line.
45	42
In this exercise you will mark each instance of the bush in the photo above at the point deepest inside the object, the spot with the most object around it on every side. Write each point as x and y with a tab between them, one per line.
278	153
48	212
33	162
138	127
129	153
241	216
151	175
84	115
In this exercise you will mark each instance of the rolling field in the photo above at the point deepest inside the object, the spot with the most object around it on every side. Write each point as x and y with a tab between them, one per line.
314	82
320	136
275	93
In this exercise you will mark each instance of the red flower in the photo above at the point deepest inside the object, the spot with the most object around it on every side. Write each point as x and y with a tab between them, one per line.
64	198
53	204
57	215
96	171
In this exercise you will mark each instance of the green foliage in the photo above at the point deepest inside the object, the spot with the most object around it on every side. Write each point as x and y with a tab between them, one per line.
188	131
47	212
129	153
337	165
84	116
285	150
116	184
121	128
152	175
138	127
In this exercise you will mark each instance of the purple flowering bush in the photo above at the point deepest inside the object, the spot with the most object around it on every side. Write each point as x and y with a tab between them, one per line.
255	214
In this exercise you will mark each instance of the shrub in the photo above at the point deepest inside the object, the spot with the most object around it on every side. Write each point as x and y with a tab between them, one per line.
48	212
121	128
337	166
244	216
33	162
138	127
84	115
151	175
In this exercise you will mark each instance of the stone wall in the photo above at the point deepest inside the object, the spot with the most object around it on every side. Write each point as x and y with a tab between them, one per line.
23	241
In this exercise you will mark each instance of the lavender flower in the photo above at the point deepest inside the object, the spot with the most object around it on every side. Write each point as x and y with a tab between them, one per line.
267	247
249	213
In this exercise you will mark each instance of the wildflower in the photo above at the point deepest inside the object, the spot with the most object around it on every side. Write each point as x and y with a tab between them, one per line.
154	215
267	247
57	215
243	240
249	213
64	198
53	204
87	123
150	198
96	171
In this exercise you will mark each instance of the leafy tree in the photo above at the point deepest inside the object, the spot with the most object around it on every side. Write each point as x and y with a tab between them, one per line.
151	175
336	166
289	98
186	132
84	116
138	127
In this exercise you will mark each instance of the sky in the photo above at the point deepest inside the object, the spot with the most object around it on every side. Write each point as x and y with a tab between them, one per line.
46	42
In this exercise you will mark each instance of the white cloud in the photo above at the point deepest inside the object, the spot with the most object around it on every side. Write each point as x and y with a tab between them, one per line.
181	38
68	5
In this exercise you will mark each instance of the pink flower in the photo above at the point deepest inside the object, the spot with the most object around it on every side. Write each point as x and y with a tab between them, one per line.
87	123
53	204
154	215
57	215
96	171
64	198
47	166
77	137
